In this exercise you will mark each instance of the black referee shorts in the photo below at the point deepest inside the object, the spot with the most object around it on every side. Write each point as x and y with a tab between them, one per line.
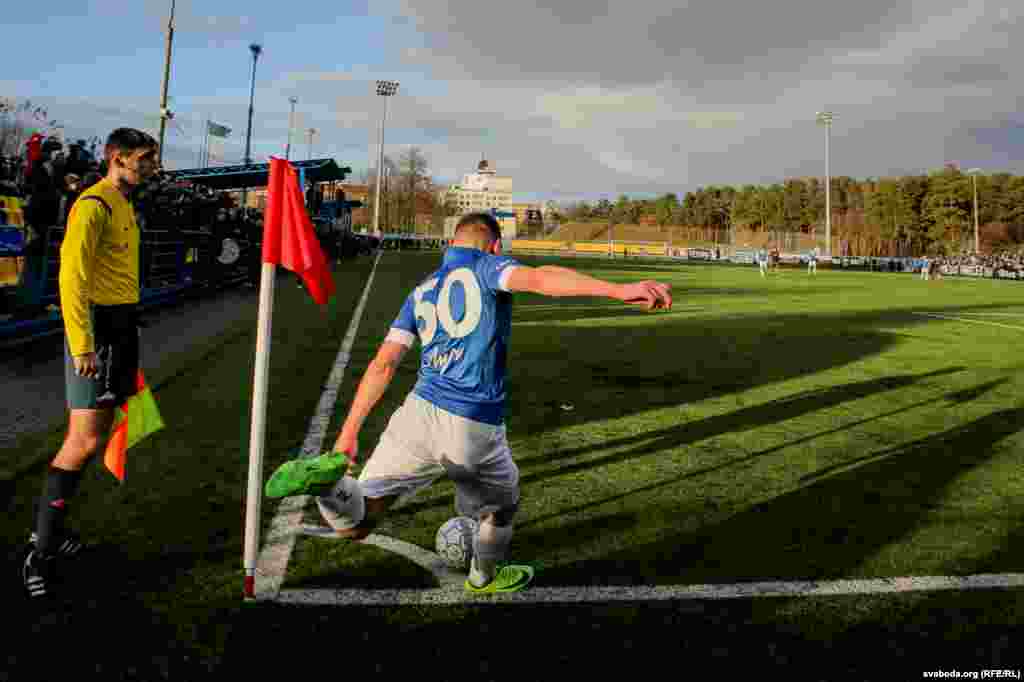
116	334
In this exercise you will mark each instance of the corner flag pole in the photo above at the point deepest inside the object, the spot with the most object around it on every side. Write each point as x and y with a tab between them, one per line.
288	240
257	431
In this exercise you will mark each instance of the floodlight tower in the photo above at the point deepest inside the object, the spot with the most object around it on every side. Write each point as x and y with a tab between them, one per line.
385	89
825	118
256	50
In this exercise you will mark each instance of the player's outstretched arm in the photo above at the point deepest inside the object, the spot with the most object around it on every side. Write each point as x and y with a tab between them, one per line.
374	383
551	280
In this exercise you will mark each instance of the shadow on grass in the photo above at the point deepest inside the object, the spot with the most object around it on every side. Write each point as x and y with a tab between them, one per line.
610	372
821	531
956	397
775	411
771	412
100	624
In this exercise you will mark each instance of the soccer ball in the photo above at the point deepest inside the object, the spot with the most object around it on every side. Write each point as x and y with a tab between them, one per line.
454	541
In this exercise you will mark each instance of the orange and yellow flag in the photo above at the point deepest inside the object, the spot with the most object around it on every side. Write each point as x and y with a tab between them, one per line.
137	418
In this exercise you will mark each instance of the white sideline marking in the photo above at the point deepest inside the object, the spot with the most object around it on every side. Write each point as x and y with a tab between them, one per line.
451	591
454	594
431	561
276	552
965	319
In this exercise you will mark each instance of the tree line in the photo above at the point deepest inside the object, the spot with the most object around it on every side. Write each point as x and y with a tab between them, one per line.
926	213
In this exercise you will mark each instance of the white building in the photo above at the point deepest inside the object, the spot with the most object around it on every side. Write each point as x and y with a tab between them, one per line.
480	191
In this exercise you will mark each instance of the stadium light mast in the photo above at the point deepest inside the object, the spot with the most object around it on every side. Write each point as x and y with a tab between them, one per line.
291	124
311	132
165	114
977	234
825	118
385	89
256	50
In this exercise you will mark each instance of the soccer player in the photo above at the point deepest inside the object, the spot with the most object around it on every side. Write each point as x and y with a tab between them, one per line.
762	261
99	291
453	421
812	261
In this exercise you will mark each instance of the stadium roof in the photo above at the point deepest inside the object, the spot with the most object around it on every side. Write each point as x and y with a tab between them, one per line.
255	174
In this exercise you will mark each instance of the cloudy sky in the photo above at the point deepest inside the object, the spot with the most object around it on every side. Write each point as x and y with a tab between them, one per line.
575	99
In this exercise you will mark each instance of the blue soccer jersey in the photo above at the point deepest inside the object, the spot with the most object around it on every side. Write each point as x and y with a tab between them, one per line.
462	315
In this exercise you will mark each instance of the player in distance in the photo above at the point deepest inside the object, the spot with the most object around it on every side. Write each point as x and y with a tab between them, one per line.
453	422
812	261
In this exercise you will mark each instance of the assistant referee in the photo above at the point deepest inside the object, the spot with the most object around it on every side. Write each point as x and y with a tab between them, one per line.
99	294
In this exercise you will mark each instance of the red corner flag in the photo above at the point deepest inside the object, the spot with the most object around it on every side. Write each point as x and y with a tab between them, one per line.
288	236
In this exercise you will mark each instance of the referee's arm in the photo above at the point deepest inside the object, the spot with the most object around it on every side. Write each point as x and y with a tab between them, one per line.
77	268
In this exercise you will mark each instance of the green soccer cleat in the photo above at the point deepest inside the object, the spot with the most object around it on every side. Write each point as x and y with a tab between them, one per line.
510	578
307	475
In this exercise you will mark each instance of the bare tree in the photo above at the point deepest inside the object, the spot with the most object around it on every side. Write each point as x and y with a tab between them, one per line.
17	121
369	178
414	180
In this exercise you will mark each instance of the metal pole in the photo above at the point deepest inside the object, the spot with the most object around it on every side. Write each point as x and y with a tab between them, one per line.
164	113
309	153
386	201
380	173
977	240
828	192
291	117
202	146
255	49
252	94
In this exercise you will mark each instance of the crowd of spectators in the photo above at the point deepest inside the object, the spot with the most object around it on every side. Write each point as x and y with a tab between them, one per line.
1006	260
47	180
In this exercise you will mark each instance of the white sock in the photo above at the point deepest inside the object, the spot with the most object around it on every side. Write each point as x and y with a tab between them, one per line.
489	547
345	507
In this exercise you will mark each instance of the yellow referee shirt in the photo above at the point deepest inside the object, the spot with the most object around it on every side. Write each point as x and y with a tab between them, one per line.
99	261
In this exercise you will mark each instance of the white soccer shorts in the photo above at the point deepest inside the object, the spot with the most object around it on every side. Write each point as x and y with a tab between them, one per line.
423	442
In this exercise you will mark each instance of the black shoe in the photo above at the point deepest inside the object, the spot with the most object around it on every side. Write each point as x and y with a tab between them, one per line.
37	574
69	547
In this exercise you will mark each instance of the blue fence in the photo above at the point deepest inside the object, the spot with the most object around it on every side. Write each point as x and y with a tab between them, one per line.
172	263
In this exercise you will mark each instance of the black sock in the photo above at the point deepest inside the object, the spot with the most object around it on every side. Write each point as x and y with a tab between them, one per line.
52	508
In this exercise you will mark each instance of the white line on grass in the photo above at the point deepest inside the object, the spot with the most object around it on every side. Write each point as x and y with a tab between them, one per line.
280	540
423	558
965	319
454	594
973	314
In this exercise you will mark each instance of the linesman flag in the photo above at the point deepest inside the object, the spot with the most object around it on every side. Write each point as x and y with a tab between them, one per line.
217	130
288	240
137	418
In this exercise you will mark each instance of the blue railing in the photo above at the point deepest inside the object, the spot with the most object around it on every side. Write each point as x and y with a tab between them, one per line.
172	263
